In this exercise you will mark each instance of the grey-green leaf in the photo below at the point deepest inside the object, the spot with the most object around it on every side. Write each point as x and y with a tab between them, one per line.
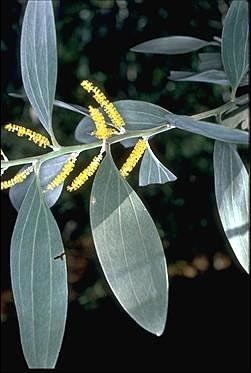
152	171
235	42
129	248
209	76
232	196
210	61
172	45
39	58
238	117
48	170
137	115
83	131
64	105
211	130
72	107
140	114
39	282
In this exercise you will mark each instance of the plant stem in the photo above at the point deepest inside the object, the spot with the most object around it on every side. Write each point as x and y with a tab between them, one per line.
220	109
80	148
62	150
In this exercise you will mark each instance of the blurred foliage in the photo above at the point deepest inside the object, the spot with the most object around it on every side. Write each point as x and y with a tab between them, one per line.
94	40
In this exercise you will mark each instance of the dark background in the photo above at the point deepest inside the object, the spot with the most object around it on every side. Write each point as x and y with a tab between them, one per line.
208	319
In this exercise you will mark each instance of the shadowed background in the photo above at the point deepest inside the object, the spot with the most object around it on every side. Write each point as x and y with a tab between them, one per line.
207	324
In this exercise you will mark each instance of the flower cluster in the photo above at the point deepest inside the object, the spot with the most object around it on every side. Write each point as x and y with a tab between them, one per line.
66	170
133	158
21	131
105	104
18	178
85	174
102	131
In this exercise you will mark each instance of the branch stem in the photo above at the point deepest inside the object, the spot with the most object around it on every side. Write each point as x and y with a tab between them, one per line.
62	150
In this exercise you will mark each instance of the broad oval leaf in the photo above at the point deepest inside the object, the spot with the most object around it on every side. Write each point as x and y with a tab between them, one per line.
48	170
39	58
83	131
129	248
209	76
235	42
140	114
137	115
39	282
211	130
172	45
232	196
152	171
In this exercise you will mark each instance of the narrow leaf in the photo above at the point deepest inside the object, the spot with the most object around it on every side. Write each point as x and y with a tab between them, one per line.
39	282
235	42
39	58
152	171
209	76
232	196
238	117
211	130
172	45
210	61
48	170
76	108
64	105
129	248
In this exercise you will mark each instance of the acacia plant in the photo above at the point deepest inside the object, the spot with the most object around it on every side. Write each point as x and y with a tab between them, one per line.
126	240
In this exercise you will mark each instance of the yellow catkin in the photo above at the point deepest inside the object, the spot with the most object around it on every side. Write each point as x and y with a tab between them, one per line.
35	137
102	131
18	178
106	105
85	174
133	158
64	173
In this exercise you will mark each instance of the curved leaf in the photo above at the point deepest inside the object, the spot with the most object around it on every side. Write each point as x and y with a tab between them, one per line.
235	42
48	171
39	282
152	171
172	45
129	248
211	130
231	190
209	76
39	58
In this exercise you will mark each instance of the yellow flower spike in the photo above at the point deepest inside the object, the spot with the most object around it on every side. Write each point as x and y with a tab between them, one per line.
85	174
35	137
18	178
133	158
102	100
102	131
64	173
